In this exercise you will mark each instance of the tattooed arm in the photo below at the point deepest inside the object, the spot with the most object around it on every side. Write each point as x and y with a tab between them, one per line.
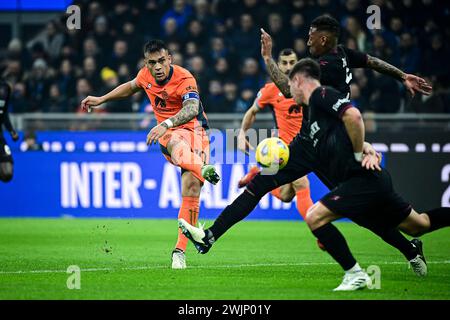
386	68
187	113
413	83
278	77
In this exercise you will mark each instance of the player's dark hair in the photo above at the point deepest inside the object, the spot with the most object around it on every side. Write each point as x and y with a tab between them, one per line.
286	52
154	46
327	23
307	66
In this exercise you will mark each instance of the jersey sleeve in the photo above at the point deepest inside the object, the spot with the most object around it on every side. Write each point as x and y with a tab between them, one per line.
188	90
331	101
356	59
263	98
140	79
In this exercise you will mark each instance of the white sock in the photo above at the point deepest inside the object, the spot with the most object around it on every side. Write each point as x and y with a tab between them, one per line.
355	268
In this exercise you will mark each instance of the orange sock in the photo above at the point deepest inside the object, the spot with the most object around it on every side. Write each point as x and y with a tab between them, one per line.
183	157
189	212
276	193
304	201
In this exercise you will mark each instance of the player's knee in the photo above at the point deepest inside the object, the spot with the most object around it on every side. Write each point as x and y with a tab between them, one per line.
191	185
287	195
311	217
302	183
421	225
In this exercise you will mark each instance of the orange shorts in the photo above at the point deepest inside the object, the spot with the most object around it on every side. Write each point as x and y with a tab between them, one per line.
196	139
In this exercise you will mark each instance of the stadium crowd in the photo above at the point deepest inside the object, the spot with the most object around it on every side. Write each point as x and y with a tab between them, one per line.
219	42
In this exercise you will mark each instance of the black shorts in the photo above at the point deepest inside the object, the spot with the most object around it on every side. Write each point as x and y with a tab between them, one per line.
5	152
369	200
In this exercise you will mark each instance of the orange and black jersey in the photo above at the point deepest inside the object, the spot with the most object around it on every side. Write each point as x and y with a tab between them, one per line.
167	97
287	114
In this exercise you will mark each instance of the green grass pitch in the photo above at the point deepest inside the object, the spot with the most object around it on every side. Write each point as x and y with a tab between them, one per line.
130	259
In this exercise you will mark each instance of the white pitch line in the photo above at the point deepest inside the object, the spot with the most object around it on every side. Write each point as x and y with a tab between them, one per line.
208	267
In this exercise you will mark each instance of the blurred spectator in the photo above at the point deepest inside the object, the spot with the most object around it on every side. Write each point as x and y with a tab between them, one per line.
102	34
203	15
19	101
300	48
197	68
250	76
435	59
110	81
180	12
30	142
298	27
177	58
51	39
279	34
119	55
409	54
91	73
385	94
353	27
230	102
65	79
196	33
246	38
214	101
358	100
37	86
222	70
245	101
56	102
150	14
171	31
13	72
83	89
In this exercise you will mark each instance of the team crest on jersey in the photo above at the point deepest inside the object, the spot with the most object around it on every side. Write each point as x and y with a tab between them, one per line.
280	94
165	95
149	86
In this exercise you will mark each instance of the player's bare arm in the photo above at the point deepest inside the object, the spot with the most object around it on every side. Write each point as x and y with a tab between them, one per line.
413	83
122	91
187	113
278	77
355	128
247	122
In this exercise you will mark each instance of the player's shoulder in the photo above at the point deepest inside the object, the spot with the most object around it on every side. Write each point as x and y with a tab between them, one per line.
269	88
325	93
180	73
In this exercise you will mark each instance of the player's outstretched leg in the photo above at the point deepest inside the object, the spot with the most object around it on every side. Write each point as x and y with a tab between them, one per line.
182	155
190	189
319	220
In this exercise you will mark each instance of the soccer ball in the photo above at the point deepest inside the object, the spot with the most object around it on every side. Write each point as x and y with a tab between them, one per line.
272	153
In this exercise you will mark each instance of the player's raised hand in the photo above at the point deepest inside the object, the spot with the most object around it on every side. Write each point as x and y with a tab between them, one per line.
89	102
417	84
156	133
371	162
266	45
243	144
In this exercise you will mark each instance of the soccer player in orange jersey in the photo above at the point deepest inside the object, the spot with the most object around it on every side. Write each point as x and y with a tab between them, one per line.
288	120
181	130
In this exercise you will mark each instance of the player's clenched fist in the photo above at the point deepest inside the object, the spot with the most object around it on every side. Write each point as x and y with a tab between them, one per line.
156	133
89	102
